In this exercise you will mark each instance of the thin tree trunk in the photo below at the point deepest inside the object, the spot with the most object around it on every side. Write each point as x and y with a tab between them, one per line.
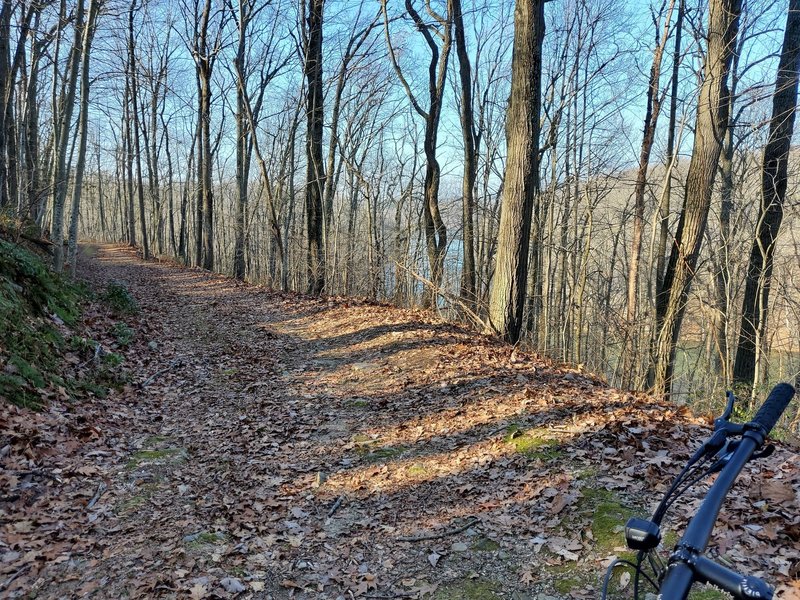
242	144
648	137
663	208
134	88
60	173
83	133
773	193
6	92
470	159
712	122
36	195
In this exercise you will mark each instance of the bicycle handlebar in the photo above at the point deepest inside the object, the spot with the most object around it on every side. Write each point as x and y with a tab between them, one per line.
684	565
773	407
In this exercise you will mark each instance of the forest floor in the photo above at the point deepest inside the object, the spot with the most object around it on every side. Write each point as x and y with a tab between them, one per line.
270	445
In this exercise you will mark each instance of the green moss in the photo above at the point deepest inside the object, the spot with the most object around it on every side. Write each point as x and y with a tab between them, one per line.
34	303
608	517
668	539
119	299
112	359
171	455
358	403
417	470
565	585
468	589
123	334
589	472
485	545
89	386
708	593
27	371
81	344
136	501
533	443
382	454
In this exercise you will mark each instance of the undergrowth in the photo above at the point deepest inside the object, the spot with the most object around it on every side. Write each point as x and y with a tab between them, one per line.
35	305
39	310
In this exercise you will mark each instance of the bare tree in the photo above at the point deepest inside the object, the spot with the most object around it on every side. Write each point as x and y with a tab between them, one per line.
83	130
315	168
521	184
773	194
710	128
433	223
652	112
61	127
469	136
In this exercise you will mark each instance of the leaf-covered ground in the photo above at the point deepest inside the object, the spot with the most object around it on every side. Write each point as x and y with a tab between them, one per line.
274	446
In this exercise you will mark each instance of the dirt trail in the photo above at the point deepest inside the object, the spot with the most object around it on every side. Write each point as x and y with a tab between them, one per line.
271	446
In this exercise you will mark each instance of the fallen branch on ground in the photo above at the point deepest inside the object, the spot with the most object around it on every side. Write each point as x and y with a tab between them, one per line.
436	536
175	363
335	506
468	312
100	490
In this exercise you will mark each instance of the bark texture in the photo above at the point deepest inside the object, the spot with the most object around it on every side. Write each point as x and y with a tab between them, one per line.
507	296
315	168
773	193
710	129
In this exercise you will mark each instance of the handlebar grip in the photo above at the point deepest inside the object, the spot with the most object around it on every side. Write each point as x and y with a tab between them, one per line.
773	407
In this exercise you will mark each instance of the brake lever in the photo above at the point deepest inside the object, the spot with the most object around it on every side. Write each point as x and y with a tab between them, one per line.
722	421
724	455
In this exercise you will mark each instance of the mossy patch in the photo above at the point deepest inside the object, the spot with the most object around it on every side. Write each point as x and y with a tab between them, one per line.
123	334
137	500
358	403
161	455
35	304
708	593
609	513
417	470
468	589
564	577
382	454
484	544
119	299
533	443
204	538
565	585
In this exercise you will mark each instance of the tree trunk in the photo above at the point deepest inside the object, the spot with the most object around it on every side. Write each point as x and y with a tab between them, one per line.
470	160
83	132
315	169
648	137
242	144
6	92
60	174
521	183
35	194
773	194
663	208
710	128
134	86
433	224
